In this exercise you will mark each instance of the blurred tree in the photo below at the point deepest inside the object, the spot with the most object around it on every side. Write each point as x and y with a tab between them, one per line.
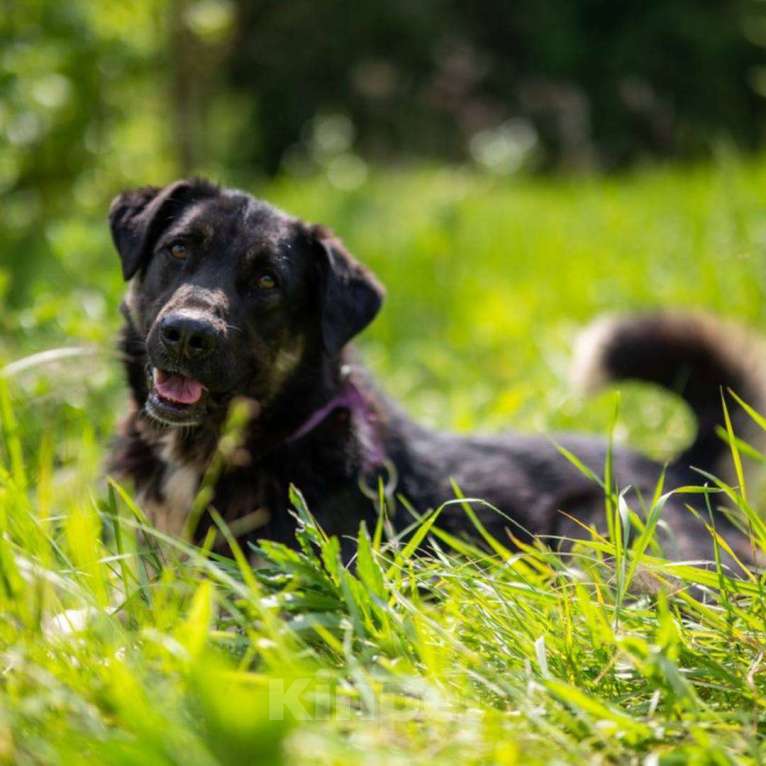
76	118
95	97
198	36
602	83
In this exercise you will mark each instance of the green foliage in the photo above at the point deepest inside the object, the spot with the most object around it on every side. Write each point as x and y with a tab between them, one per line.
118	656
82	113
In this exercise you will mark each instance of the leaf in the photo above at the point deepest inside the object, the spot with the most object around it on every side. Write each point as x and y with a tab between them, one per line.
367	567
194	630
598	710
734	449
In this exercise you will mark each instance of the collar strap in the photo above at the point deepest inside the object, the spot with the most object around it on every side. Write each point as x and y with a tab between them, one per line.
362	416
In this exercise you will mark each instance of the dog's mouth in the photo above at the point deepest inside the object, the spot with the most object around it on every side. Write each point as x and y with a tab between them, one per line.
176	389
175	399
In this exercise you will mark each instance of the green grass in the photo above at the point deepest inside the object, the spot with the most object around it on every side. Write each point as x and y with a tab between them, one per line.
121	646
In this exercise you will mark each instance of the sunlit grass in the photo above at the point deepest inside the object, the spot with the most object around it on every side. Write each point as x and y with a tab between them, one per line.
120	645
143	649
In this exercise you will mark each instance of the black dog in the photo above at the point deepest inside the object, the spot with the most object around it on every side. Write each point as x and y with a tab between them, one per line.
230	297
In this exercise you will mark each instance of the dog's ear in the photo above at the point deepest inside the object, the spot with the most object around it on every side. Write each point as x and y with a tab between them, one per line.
137	217
350	295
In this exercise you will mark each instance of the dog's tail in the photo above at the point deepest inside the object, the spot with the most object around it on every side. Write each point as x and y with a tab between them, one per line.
695	356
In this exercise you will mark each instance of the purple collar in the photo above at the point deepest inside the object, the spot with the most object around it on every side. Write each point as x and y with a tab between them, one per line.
362	416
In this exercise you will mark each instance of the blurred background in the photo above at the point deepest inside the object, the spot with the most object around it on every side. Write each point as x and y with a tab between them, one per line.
510	170
95	96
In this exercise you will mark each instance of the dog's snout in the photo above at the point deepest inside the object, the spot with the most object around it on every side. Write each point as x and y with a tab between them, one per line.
188	337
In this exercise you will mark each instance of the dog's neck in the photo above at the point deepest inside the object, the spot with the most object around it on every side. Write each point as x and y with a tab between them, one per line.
363	414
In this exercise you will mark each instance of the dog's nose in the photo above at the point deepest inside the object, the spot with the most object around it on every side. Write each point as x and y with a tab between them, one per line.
187	336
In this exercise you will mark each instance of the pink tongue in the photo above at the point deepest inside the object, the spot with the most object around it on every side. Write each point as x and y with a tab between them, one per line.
177	388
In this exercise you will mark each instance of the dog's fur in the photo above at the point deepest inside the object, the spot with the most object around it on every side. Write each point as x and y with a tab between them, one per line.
282	344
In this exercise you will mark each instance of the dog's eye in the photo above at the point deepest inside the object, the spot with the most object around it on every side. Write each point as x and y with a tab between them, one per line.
178	251
266	282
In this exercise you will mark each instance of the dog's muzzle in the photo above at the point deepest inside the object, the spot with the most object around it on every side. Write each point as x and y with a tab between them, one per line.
184	343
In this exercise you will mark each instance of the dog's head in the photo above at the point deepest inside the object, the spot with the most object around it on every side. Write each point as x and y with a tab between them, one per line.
230	295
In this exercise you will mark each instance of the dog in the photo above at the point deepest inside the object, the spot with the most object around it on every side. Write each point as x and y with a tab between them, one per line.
231	299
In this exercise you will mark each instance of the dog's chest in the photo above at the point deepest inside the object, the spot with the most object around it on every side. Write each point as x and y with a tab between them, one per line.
169	505
169	512
241	497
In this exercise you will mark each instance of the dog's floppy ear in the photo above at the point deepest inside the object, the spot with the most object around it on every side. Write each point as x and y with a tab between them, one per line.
137	217
350	295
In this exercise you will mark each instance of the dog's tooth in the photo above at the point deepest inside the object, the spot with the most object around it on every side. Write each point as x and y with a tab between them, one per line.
159	376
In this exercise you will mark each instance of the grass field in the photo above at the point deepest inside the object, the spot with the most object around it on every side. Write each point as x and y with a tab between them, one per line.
115	651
